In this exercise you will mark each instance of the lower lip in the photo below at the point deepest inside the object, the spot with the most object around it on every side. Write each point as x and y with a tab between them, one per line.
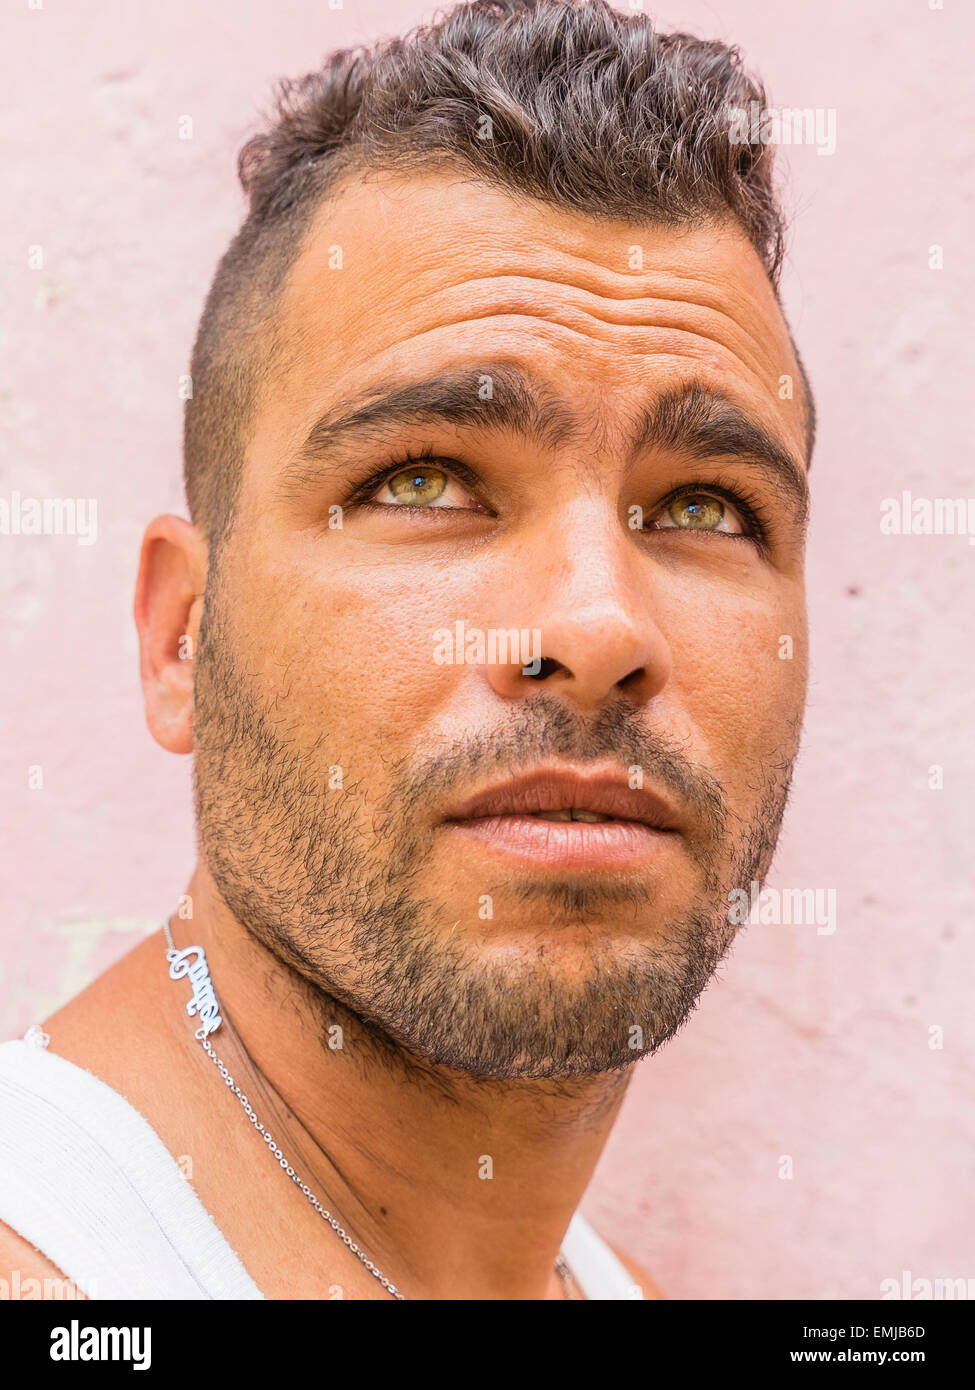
620	844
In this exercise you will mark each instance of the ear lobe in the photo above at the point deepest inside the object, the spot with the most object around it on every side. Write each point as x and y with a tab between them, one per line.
167	609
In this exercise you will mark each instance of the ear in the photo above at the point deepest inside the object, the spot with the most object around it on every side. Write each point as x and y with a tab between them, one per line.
168	605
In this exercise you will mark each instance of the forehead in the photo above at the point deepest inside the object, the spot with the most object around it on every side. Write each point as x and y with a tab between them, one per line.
400	277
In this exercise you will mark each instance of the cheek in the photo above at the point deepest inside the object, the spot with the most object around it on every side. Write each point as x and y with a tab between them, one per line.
739	680
354	644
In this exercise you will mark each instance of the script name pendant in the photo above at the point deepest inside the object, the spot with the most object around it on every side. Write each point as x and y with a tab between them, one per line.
204	1001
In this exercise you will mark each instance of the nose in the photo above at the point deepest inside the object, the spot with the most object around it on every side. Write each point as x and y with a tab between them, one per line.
588	609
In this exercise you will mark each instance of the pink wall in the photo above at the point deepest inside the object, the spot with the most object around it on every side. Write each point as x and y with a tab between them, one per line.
813	1045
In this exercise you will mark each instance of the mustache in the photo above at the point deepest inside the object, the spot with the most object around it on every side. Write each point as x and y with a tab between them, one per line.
547	728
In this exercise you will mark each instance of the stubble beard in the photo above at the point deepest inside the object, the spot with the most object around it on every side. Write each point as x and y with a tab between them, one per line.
346	911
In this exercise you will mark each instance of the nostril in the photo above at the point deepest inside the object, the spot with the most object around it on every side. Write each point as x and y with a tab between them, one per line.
633	678
545	667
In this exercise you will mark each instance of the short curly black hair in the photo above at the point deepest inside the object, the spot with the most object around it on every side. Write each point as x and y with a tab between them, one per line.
587	109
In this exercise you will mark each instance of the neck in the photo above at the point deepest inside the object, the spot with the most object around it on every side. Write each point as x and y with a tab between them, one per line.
447	1180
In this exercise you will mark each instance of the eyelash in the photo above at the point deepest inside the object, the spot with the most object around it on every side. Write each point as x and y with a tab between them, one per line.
750	508
364	490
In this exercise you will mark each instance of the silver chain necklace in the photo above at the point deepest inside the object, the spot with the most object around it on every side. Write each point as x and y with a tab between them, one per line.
204	1005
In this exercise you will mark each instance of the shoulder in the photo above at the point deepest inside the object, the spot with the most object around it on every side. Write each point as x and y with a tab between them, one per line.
640	1275
26	1274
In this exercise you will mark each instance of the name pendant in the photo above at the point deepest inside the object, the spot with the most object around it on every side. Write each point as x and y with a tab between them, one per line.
193	963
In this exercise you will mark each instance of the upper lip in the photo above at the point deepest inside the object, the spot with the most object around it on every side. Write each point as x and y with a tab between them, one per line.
554	789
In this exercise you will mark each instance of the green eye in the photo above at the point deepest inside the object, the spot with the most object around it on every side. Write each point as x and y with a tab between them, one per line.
417	485
696	512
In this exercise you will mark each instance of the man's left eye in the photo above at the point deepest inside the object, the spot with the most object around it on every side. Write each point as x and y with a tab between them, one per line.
700	511
421	486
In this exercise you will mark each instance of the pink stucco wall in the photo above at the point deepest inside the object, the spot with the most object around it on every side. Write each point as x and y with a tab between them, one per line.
815	1046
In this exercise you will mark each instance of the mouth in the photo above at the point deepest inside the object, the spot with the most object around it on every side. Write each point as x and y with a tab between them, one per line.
567	818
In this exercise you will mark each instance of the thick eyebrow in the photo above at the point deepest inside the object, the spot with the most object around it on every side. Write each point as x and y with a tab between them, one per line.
703	423
690	419
497	396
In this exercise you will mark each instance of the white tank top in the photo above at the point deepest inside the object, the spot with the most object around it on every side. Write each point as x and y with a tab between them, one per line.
87	1181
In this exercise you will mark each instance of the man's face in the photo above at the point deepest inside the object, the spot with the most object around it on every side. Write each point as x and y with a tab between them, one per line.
602	452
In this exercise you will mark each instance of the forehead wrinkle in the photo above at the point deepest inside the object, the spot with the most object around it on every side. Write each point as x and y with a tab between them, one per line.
663	342
713	270
726	333
636	298
740	342
594	324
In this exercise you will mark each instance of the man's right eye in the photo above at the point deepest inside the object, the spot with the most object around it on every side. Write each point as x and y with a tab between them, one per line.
424	486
